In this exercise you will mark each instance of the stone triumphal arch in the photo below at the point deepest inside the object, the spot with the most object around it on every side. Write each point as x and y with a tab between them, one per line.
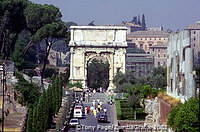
88	42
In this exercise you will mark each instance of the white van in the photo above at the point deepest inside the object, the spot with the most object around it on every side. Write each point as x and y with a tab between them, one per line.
78	113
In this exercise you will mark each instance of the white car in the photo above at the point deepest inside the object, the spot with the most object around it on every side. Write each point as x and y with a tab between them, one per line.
78	113
74	122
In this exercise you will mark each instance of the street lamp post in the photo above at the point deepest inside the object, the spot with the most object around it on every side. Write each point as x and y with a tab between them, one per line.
2	70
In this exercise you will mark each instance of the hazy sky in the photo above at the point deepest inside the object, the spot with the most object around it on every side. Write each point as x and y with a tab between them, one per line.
173	14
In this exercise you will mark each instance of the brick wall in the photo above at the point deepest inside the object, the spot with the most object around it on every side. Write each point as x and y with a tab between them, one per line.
165	108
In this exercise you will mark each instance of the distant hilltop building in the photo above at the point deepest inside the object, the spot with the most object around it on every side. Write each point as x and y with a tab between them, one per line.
136	24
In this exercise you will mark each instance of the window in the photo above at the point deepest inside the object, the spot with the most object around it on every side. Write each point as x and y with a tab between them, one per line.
194	32
141	45
158	63
158	55
164	55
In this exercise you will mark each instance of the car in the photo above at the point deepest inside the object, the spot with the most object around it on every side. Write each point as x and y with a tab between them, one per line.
74	122
78	113
78	107
102	118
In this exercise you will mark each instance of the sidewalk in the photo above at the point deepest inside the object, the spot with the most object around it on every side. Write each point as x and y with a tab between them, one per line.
115	121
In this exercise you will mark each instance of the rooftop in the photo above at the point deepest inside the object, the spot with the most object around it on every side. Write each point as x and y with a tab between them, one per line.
148	34
99	27
194	26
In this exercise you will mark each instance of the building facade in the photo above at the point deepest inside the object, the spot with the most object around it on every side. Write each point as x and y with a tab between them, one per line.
159	53
140	63
194	31
146	39
180	77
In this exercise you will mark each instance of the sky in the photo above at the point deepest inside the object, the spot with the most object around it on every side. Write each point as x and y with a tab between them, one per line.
171	14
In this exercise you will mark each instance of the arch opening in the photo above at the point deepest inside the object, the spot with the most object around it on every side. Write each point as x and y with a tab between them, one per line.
98	73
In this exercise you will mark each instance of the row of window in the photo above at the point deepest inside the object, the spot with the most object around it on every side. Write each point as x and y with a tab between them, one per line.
150	38
159	56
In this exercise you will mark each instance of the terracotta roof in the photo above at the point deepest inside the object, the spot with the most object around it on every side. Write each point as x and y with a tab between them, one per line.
149	34
194	26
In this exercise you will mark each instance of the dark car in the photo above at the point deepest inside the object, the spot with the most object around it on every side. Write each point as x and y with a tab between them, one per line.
102	118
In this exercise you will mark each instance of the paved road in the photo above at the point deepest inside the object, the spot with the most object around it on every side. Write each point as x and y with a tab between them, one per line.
90	123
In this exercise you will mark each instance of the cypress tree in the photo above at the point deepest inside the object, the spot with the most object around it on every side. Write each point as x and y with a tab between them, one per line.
57	94
35	119
41	114
53	91
30	120
50	104
45	110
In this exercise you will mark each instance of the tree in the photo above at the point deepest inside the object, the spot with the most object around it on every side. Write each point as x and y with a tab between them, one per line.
11	10
38	15
159	77
18	57
29	93
134	101
185	117
50	33
30	120
35	118
121	80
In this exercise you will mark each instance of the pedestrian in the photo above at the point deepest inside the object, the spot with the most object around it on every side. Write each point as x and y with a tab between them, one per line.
105	110
92	109
86	112
99	108
98	100
94	113
93	103
100	103
88	109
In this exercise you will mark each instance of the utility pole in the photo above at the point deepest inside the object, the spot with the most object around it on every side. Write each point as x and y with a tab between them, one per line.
2	71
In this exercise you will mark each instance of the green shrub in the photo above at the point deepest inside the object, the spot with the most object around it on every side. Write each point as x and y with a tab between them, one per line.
185	117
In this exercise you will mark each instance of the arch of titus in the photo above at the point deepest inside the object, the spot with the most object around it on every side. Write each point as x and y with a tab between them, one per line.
88	42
